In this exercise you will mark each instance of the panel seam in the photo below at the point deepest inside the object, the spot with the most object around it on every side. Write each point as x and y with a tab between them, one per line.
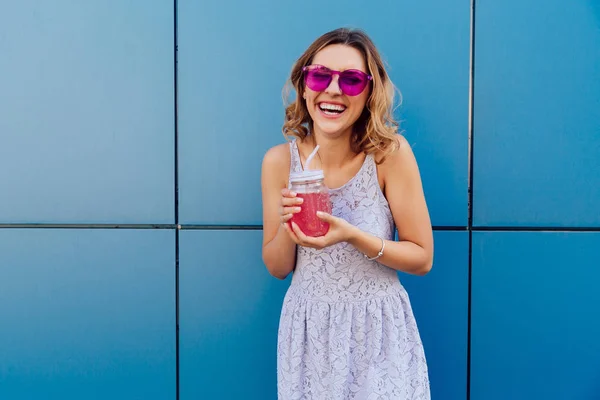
470	190
176	192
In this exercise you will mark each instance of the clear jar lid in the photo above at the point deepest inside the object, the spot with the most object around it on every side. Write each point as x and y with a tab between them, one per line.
306	176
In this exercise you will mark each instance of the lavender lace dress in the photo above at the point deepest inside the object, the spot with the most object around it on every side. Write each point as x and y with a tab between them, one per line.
347	329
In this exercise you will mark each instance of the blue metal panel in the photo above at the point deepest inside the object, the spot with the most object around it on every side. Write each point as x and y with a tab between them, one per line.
86	126
87	314
537	113
232	67
440	304
535	325
229	315
229	311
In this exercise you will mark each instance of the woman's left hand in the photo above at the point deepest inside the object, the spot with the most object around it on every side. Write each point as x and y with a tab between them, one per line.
339	231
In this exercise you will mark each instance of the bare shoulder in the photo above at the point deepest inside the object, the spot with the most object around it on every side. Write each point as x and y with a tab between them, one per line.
276	162
398	163
277	155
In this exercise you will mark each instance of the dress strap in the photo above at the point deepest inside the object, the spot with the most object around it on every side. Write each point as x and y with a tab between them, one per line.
295	165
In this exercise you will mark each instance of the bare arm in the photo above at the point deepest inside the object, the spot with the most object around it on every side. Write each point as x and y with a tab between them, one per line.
279	250
413	254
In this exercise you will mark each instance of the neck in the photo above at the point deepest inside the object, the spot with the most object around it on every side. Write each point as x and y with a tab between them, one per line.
333	152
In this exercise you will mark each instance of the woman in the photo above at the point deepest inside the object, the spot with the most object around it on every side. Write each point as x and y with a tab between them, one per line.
347	330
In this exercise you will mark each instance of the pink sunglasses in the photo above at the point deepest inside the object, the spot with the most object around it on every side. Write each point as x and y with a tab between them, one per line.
352	82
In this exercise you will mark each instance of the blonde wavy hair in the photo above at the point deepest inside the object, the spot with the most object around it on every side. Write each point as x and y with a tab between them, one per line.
375	130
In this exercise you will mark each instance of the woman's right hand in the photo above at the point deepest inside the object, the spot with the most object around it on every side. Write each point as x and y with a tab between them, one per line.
290	205
278	206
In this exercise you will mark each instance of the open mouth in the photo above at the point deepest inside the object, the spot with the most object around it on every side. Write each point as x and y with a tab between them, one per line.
332	109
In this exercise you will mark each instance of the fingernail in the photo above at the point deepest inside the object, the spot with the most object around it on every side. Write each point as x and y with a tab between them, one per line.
292	193
297	209
299	200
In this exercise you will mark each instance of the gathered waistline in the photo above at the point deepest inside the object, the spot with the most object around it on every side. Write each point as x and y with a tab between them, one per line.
297	292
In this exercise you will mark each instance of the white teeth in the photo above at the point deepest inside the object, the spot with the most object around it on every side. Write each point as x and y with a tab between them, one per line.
333	107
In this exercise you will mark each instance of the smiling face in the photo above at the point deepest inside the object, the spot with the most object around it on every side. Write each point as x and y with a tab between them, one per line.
333	112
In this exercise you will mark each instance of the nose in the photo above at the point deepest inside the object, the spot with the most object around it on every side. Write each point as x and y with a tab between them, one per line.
334	86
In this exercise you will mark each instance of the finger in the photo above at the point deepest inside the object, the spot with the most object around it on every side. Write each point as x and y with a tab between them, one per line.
291	201
308	241
290	210
323	216
286	217
286	227
299	234
287	193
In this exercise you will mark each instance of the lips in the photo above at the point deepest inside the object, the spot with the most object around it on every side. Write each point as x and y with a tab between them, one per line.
331	109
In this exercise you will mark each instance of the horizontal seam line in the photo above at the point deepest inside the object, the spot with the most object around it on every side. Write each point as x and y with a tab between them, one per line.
259	227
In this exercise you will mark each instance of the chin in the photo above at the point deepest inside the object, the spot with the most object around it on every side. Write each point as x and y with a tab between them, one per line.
332	131
333	128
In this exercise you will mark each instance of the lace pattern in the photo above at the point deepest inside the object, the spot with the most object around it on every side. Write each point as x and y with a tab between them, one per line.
347	330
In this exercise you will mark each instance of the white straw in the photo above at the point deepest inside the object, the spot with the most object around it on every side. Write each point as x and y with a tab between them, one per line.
311	156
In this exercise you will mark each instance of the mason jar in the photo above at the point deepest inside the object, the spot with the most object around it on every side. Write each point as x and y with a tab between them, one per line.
310	186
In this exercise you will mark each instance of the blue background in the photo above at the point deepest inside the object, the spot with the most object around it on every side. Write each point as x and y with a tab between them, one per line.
105	147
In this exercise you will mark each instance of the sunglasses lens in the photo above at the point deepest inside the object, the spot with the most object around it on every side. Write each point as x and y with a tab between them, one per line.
353	83
318	79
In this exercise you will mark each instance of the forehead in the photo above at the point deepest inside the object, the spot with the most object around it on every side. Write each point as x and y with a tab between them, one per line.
340	57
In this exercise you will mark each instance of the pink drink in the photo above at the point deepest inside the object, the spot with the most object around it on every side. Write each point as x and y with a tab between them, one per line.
307	219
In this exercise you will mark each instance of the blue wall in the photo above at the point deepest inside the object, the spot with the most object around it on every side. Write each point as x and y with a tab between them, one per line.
95	275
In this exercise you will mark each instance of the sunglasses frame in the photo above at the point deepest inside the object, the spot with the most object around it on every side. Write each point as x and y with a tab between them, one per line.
313	67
